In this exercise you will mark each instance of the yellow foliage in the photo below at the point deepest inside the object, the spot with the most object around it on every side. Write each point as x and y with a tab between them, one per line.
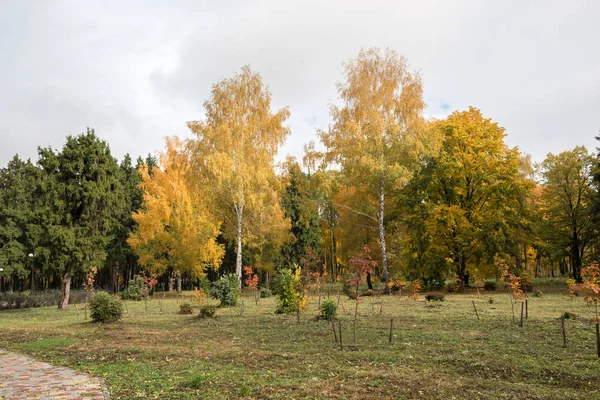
176	227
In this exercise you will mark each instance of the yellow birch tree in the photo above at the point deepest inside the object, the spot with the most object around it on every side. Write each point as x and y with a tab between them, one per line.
378	133
235	148
175	226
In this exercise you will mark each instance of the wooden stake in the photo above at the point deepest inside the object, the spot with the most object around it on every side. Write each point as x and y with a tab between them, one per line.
298	313
125	304
522	310
598	339
340	327
391	330
85	309
512	307
333	328
475	308
564	334
526	309
381	307
242	310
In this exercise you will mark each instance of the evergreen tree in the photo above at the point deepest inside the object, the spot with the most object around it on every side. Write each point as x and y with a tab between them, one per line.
83	200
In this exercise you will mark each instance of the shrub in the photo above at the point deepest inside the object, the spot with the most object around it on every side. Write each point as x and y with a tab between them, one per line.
205	284
526	283
570	315
134	289
104	307
290	292
264	293
328	309
367	293
451	287
226	290
538	293
207	311
434	297
185	308
489	286
348	289
433	283
275	285
491	300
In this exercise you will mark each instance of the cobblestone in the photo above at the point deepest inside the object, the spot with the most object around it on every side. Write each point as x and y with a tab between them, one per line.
25	378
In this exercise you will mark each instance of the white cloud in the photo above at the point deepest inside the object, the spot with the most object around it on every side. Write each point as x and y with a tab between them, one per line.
137	71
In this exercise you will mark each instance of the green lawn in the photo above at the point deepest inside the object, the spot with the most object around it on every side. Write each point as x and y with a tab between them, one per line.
439	351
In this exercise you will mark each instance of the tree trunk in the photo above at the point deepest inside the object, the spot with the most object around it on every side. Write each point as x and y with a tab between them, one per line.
238	258
65	291
333	251
575	257
179	283
384	261
369	283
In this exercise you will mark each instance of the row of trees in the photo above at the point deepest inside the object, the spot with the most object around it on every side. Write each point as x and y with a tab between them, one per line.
435	198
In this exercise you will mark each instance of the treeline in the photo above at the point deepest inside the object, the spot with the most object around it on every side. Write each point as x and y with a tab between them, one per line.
434	199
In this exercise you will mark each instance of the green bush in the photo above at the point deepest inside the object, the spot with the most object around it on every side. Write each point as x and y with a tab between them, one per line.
226	290
489	286
264	293
275	285
104	307
290	294
538	293
367	293
133	290
205	284
433	283
328	309
434	297
207	311
451	287
185	308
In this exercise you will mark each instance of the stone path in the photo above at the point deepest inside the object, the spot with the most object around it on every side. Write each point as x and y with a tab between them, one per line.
25	378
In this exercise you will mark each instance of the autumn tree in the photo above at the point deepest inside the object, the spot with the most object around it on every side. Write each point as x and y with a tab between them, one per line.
176	229
378	133
568	199
235	147
473	191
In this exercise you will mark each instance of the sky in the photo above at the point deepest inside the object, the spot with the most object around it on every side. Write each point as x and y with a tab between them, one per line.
138	71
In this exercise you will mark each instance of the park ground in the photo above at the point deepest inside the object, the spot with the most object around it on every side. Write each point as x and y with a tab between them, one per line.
439	350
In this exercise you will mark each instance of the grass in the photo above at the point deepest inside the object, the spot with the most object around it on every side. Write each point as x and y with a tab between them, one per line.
439	350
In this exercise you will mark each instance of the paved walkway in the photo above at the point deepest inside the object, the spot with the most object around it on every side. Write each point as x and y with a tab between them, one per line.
25	378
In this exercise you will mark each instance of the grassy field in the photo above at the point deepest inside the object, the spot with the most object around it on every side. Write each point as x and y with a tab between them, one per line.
438	351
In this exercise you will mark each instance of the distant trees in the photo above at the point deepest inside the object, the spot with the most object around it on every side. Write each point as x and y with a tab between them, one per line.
437	199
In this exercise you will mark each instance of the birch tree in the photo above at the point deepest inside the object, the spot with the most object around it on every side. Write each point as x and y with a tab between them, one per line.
235	146
176	228
378	137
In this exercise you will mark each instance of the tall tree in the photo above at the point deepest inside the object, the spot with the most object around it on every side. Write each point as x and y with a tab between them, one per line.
18	181
176	229
378	133
121	258
568	202
474	190
300	206
235	147
83	194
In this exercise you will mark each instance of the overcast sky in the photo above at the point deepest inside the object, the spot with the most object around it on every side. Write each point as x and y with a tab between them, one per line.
137	71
